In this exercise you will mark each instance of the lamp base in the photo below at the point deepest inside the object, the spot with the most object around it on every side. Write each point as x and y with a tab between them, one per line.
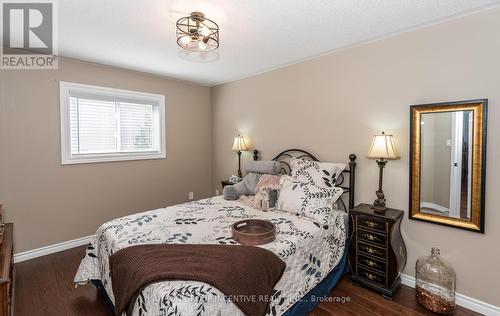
379	209
240	175
379	203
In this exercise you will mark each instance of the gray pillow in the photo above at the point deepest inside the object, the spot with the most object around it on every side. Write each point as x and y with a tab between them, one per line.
244	187
265	167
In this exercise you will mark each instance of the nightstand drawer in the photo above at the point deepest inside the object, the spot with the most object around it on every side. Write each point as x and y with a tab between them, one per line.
371	250
371	263
371	223
371	276
378	239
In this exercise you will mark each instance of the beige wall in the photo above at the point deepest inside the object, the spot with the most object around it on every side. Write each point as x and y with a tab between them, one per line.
333	105
51	203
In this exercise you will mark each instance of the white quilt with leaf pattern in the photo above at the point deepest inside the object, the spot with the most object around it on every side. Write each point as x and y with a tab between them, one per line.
310	253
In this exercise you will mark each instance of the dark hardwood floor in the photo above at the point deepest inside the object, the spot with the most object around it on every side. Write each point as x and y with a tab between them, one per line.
365	302
44	286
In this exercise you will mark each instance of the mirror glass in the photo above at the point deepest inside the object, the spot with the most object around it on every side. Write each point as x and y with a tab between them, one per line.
446	163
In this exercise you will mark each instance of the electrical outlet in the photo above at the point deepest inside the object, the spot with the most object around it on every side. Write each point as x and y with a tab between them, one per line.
191	195
216	192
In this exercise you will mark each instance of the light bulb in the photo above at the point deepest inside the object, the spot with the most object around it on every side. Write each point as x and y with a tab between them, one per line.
202	45
185	40
204	31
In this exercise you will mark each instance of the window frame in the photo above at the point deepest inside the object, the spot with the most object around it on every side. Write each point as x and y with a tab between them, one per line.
67	158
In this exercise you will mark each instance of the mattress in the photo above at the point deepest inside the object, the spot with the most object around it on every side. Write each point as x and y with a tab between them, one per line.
310	253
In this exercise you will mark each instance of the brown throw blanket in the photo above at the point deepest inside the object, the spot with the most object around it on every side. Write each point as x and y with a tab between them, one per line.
245	272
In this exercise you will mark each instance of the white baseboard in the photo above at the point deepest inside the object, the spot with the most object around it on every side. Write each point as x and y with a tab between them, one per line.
462	300
47	250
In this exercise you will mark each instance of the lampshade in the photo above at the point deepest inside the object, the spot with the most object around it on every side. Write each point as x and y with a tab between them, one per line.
239	144
383	146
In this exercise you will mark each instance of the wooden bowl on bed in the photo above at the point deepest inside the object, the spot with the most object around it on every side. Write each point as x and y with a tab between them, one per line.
254	232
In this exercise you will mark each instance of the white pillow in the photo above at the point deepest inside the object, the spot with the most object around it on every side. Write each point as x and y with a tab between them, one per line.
308	200
321	174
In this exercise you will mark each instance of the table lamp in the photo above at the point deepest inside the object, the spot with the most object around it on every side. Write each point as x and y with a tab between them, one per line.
239	146
382	148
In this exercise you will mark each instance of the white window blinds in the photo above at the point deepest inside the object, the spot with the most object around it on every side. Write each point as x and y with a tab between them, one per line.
105	126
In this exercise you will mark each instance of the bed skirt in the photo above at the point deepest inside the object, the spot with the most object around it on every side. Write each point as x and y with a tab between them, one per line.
303	307
314	297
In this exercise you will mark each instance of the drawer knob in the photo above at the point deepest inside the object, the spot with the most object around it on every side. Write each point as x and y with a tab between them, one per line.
371	224
371	237
370	250
371	263
370	276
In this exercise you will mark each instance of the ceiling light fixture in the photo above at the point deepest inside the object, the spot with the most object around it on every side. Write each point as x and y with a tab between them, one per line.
197	33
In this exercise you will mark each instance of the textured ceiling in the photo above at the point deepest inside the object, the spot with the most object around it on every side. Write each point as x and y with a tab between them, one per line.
256	35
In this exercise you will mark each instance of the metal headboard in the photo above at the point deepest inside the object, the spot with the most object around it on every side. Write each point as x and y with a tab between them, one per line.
285	157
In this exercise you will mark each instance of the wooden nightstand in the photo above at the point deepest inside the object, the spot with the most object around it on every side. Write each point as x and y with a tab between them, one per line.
377	253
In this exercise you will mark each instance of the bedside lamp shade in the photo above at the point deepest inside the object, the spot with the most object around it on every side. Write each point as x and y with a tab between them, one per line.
383	146
239	144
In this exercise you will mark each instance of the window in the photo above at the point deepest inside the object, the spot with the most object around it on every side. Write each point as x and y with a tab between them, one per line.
103	124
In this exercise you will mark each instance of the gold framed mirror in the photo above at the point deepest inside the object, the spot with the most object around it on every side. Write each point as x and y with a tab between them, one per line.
448	163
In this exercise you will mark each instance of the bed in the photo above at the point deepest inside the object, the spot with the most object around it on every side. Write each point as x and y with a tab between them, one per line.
315	256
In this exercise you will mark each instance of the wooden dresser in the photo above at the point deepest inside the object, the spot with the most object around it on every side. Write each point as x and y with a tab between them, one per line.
7	271
377	253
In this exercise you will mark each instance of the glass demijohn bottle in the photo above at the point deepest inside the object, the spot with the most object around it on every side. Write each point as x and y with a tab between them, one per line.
435	283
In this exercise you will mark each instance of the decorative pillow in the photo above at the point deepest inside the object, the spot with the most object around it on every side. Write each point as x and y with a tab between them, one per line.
321	174
265	193
247	186
308	200
266	199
